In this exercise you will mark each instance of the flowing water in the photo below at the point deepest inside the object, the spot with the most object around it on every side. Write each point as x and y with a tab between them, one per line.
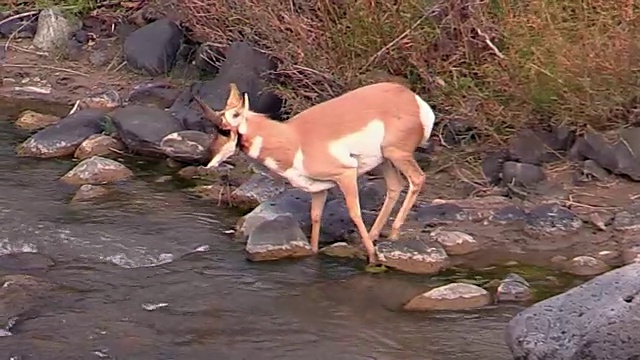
152	275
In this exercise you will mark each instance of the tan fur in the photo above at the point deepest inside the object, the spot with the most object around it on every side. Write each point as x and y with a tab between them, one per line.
328	143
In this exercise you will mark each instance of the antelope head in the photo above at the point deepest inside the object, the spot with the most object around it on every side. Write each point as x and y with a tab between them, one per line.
228	122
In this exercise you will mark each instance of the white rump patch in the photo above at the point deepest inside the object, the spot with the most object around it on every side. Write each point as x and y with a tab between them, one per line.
362	149
427	118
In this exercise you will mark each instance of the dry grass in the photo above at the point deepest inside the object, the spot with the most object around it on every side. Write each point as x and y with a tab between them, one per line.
501	64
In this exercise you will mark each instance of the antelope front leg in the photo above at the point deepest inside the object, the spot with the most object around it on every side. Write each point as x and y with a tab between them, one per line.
348	184
317	206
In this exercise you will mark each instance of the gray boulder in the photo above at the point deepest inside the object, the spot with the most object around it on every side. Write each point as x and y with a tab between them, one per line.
598	320
142	128
153	48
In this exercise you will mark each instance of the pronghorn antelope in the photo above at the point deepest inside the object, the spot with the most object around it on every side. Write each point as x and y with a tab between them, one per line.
331	144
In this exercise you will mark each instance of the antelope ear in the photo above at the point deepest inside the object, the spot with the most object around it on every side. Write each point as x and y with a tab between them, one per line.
245	103
208	112
235	99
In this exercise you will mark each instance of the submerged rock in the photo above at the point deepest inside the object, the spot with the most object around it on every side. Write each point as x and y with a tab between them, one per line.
586	266
412	255
277	238
95	171
455	296
514	288
89	192
63	138
98	145
19	294
596	320
342	249
30	120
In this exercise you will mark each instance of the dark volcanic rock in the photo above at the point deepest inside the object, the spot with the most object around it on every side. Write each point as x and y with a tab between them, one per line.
63	138
23	27
439	214
160	94
538	147
142	128
596	320
244	66
97	170
492	165
336	222
509	214
620	158
522	174
153	48
259	188
552	220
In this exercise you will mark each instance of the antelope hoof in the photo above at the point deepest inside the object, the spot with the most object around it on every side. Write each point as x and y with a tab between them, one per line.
395	234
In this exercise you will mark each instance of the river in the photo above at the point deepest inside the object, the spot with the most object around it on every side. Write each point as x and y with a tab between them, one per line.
152	275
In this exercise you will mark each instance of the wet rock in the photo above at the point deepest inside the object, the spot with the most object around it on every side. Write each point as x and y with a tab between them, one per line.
627	220
189	146
53	31
104	99
439	214
257	189
160	94
509	214
25	261
89	192
412	255
98	145
631	254
336	222
592	321
522	174
97	170
342	249
551	220
21	28
591	170
142	128
607	255
514	288
455	296
245	66
277	238
21	293
586	266
455	242
492	165
63	138
153	48
30	120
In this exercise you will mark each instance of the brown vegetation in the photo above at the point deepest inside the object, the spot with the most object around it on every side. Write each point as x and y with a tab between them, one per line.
500	63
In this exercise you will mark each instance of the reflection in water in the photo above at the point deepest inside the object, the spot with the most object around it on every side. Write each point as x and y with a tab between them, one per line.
218	305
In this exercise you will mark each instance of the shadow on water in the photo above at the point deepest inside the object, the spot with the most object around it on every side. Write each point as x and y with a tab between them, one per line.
157	247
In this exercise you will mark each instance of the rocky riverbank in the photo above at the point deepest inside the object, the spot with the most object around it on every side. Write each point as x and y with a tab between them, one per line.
550	198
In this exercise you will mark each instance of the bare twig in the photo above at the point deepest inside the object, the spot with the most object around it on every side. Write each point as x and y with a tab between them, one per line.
18	16
45	67
490	44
